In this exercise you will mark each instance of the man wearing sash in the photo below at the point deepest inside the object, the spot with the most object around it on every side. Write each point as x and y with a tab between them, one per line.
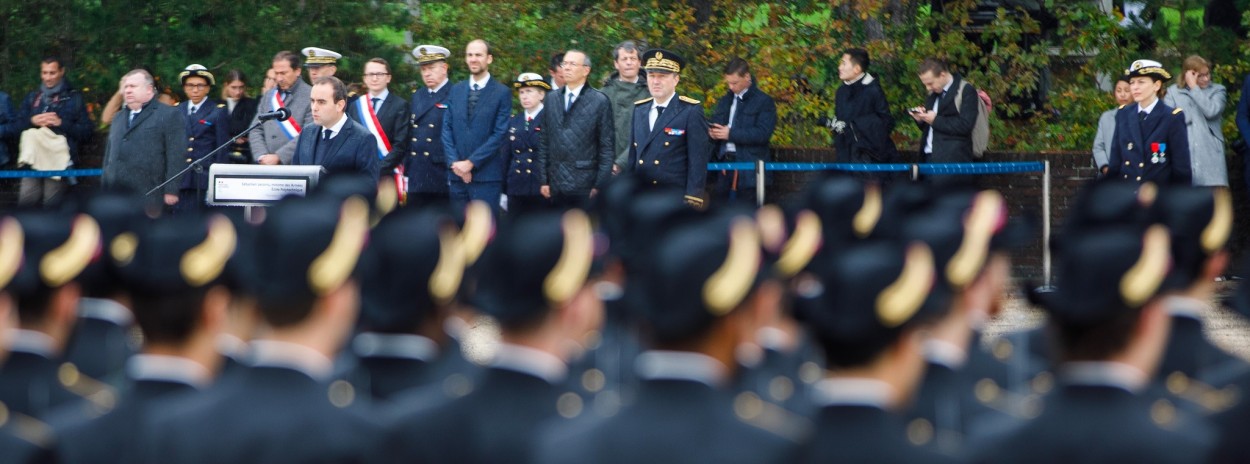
383	113
274	141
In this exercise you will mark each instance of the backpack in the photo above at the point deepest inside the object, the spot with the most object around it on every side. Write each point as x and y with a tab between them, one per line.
981	129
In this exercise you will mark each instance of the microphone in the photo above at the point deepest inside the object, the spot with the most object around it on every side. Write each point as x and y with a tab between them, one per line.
282	114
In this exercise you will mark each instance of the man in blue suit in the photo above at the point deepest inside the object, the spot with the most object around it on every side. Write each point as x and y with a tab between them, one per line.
474	126
335	142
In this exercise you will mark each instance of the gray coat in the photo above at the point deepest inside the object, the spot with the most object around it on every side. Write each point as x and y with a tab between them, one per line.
269	138
624	95
1203	110
575	148
1104	138
153	148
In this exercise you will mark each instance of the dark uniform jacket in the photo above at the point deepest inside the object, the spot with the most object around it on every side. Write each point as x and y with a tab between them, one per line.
952	128
68	104
206	129
676	152
385	365
352	150
425	165
392	119
863	434
1134	145
32	385
117	435
240	119
753	125
575	148
523	177
477	136
102	342
152	149
866	138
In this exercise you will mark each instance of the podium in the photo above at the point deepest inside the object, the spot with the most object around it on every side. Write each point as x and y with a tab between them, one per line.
253	185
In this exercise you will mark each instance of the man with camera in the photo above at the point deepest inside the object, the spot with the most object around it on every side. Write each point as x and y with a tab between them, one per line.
862	123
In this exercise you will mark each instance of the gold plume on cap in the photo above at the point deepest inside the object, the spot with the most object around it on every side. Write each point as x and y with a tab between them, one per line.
726	288
573	267
387	199
983	218
869	213
330	269
802	245
1147	193
65	262
12	241
1215	235
772	224
123	247
204	262
1142	280
898	302
445	280
479	224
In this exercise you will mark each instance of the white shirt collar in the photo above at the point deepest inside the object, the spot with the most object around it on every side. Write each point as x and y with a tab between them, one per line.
681	365
338	126
381	96
106	310
867	78
274	353
1150	108
743	92
530	361
853	392
1103	373
773	338
168	368
481	84
232	346
537	110
406	346
439	86
944	353
665	102
30	341
1183	306
947	87
575	92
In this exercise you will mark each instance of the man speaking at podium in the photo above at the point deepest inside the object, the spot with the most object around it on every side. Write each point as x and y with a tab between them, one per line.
335	142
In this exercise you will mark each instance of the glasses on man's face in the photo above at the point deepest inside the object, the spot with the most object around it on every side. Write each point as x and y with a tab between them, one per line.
569	64
194	86
376	75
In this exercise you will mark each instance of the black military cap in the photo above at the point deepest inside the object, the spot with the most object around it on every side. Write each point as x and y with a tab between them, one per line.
308	247
177	254
860	300
1200	220
662	61
961	229
58	246
1110	202
414	263
702	270
119	216
535	263
240	275
381	195
790	238
12	240
848	208
1108	270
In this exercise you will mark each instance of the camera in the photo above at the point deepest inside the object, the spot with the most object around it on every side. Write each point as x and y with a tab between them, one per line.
832	123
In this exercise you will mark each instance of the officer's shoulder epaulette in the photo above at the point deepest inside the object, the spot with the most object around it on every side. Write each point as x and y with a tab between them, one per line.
639	102
688	100
1122	106
1176	111
221	105
351	94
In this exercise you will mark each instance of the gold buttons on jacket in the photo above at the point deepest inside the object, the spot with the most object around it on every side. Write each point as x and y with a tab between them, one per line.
190	149
639	161
657	162
191	139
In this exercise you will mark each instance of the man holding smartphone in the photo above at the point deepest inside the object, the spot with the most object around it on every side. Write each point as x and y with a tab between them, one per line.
741	127
947	130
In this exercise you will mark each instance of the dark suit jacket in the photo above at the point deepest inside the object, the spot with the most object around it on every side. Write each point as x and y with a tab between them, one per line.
424	161
753	125
575	149
952	128
522	178
1190	353
271	415
206	129
393	119
1132	150
352	150
117	435
477	138
677	151
153	149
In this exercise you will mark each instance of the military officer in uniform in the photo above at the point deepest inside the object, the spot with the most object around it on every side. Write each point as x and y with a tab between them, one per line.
669	141
208	125
1151	143
320	62
21	442
521	183
423	161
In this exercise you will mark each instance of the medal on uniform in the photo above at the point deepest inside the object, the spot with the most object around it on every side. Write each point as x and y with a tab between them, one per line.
1163	152
1130	146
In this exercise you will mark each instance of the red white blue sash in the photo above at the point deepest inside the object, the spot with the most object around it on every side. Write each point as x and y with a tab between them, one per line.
370	120
289	127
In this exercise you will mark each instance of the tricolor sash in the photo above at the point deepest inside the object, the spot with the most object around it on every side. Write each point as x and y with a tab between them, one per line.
370	119
289	127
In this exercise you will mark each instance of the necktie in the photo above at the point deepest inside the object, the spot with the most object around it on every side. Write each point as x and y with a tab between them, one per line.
473	95
323	145
375	104
131	122
569	103
658	111
286	95
326	135
191	109
1141	115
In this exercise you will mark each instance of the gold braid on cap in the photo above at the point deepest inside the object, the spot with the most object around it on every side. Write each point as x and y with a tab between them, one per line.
445	281
204	262
123	247
772	224
869	213
65	262
479	225
12	240
573	267
388	198
802	245
1215	235
1142	280
979	226
898	302
726	288
330	269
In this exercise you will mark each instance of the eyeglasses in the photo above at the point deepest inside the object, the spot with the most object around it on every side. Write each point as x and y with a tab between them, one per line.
569	64
373	75
195	86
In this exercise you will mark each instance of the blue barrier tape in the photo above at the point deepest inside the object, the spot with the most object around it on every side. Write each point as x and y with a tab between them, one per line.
925	168
65	173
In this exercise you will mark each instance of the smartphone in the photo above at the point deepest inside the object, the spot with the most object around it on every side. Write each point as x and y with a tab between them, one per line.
915	110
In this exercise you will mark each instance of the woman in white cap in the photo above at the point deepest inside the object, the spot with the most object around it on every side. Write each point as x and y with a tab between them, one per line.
521	183
1151	143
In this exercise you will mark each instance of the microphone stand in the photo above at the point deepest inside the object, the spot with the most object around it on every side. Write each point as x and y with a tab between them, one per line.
196	164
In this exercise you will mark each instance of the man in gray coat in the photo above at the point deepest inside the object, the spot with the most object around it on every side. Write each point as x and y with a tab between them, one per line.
274	141
147	141
575	148
624	88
